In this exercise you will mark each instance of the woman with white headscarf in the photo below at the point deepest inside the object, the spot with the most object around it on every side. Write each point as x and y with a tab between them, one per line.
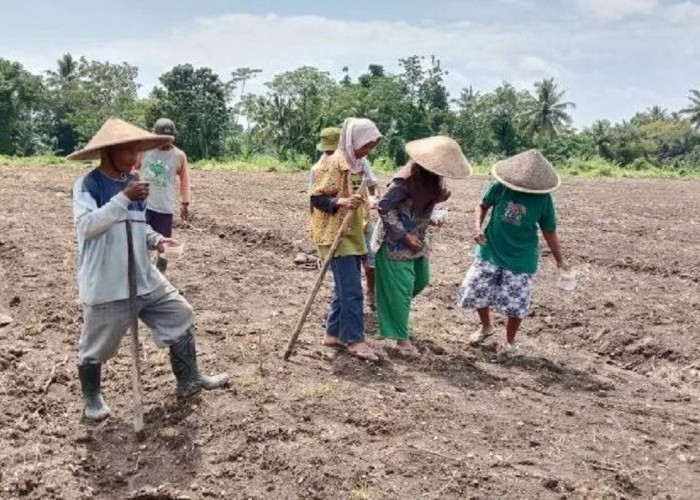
332	195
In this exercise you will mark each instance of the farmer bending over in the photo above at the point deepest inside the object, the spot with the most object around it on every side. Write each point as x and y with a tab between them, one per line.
103	200
507	259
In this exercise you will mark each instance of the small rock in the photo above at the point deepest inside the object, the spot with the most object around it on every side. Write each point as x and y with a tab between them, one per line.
5	319
301	258
569	413
551	484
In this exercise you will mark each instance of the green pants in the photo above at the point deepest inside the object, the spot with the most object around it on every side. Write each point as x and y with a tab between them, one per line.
397	282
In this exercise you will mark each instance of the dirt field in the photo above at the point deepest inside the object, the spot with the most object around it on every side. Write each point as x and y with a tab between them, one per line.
604	403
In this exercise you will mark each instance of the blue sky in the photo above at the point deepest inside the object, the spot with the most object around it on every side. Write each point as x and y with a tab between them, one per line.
614	57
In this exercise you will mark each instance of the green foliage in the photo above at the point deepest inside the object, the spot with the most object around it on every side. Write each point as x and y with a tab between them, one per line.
82	94
219	122
21	101
546	115
197	101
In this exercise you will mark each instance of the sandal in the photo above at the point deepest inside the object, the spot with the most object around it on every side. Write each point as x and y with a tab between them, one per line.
363	352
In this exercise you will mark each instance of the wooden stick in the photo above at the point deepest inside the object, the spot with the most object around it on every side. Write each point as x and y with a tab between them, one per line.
133	311
319	280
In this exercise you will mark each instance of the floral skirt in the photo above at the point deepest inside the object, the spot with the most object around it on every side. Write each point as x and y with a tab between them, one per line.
487	285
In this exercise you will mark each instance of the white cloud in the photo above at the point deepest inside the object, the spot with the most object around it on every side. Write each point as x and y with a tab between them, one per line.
538	67
686	12
599	65
616	10
278	43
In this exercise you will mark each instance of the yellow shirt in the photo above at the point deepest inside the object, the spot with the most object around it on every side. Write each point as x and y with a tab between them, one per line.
333	179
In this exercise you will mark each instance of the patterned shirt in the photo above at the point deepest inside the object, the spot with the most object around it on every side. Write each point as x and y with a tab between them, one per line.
398	218
332	179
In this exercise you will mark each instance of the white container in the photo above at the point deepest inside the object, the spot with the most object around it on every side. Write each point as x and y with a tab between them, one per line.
174	252
568	280
439	215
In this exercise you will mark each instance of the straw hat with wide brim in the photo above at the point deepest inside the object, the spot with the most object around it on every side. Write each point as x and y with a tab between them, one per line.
441	155
528	172
116	132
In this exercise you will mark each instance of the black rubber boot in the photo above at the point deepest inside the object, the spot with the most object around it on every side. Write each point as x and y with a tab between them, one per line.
183	358
95	406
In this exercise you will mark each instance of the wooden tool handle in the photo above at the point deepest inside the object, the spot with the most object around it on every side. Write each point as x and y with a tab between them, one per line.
133	311
319	280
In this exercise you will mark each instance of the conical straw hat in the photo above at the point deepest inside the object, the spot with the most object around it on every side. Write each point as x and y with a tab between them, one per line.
527	172
441	155
116	132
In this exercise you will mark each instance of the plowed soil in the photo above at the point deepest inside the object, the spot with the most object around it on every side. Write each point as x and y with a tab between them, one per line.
604	402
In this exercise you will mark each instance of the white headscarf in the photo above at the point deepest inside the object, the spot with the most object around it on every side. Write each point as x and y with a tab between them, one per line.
356	133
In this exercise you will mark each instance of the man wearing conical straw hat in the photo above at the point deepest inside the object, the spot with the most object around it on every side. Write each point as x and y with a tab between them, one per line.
507	258
103	201
401	238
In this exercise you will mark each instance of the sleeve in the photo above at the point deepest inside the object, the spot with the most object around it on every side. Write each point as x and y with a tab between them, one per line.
92	222
184	173
326	185
369	173
325	204
152	237
548	219
387	208
491	194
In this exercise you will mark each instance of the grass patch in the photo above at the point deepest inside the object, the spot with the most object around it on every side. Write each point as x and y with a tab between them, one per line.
591	168
361	492
37	161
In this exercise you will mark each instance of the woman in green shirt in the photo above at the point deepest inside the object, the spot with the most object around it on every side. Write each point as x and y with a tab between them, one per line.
507	259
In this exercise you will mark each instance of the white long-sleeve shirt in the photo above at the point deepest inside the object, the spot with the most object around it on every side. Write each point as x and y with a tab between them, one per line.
100	211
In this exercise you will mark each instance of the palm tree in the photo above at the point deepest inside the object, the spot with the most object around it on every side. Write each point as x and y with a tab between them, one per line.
67	69
546	114
693	112
602	137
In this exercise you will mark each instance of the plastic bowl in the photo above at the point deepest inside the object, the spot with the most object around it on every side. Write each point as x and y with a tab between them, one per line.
173	252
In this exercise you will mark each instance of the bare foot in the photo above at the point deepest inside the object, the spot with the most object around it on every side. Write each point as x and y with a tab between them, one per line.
407	348
331	341
363	351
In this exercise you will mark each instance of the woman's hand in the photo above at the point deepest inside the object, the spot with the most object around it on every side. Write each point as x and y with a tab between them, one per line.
350	203
413	242
480	238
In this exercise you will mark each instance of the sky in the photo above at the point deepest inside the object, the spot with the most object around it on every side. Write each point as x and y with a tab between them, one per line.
613	57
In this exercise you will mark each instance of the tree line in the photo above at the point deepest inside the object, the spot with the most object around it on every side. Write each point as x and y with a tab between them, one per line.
59	110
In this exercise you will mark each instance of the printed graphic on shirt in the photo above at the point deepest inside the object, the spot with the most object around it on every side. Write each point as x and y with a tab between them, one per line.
514	214
157	173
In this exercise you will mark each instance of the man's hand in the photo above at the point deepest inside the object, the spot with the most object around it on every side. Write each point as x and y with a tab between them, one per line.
350	203
413	242
164	242
137	190
185	212
480	238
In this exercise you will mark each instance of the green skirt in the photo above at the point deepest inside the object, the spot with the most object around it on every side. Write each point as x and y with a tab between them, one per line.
397	282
